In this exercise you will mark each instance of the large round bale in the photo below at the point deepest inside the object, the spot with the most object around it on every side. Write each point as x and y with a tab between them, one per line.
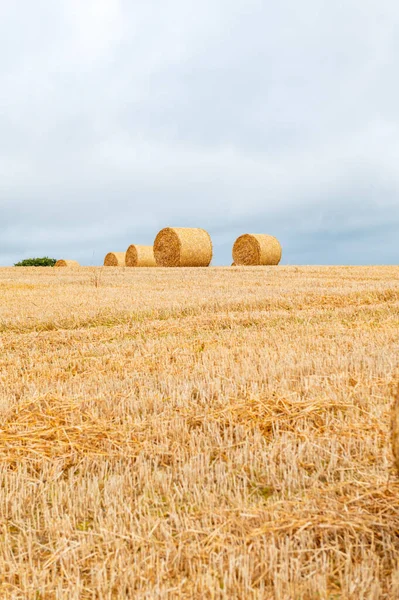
256	249
183	247
115	259
395	429
140	256
67	263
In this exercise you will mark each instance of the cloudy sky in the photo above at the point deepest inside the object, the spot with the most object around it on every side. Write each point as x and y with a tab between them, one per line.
120	117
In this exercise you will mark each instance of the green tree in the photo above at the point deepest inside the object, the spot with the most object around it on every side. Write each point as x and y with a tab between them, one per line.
36	262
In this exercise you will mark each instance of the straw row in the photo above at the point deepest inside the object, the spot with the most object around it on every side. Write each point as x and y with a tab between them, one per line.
192	247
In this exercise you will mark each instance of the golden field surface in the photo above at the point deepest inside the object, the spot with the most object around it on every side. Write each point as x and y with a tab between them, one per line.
216	433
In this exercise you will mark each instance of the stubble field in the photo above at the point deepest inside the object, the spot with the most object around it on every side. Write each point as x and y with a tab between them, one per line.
215	433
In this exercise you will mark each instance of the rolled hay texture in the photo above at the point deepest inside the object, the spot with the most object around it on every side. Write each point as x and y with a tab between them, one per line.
115	259
183	247
252	249
395	429
67	263
140	256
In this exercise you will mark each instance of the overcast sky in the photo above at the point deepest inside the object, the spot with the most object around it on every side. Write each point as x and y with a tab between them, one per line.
120	117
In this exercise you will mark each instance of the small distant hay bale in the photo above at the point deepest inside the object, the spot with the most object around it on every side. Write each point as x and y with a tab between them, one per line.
395	428
233	264
256	249
183	247
140	256
115	259
67	263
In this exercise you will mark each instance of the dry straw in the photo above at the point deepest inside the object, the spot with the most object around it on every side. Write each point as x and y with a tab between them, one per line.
115	259
395	428
67	263
253	249
183	247
140	256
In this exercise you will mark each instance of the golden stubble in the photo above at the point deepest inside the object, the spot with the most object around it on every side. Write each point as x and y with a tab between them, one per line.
189	433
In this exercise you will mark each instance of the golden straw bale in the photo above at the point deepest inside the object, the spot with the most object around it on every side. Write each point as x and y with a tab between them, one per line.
67	263
395	428
233	264
253	249
115	259
140	256
183	247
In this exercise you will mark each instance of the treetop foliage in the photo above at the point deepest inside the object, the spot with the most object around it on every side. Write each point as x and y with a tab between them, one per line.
36	262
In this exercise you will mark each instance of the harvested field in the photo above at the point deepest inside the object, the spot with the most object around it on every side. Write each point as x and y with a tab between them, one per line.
198	433
395	427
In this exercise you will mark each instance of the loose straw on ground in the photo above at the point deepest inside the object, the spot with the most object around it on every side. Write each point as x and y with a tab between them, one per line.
115	259
140	256
395	429
67	263
253	249
183	247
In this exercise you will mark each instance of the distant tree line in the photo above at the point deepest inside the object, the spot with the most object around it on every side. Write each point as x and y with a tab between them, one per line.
37	262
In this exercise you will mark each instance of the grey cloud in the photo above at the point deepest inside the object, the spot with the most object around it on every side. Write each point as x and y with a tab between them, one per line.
118	118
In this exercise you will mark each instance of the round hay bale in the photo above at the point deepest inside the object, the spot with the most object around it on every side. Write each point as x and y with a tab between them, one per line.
395	429
252	249
115	259
67	263
233	264
140	256
183	247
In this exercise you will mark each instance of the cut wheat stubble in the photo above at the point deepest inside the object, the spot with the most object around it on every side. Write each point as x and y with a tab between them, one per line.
252	249
183	247
395	428
140	256
196	393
